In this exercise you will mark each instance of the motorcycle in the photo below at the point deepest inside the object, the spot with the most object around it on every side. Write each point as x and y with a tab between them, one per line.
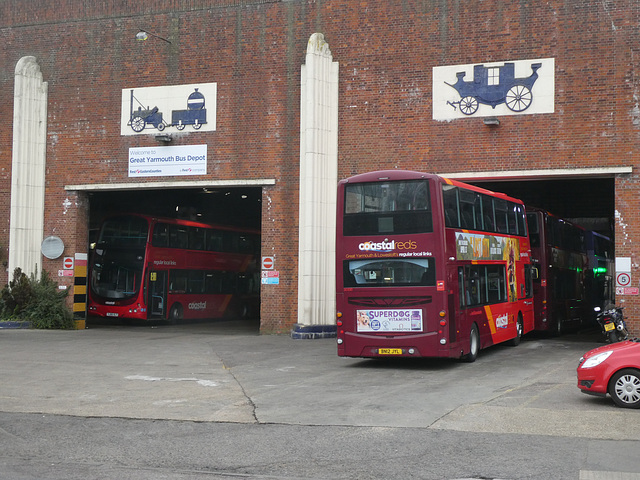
612	323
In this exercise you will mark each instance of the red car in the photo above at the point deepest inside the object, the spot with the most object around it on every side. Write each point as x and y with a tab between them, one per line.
613	369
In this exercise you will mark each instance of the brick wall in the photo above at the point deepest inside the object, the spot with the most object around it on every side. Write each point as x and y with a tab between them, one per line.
386	51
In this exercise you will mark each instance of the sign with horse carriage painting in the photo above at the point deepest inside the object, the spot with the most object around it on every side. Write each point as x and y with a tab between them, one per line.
174	108
490	89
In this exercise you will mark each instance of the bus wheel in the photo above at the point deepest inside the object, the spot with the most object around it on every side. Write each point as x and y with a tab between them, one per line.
474	344
175	314
558	331
514	342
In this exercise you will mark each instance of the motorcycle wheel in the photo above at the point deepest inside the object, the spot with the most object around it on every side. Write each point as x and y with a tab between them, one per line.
613	336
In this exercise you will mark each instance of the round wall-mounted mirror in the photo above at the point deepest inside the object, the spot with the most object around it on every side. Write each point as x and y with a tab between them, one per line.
52	247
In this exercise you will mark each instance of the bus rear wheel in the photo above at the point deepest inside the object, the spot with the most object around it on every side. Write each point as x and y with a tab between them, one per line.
474	345
175	314
514	342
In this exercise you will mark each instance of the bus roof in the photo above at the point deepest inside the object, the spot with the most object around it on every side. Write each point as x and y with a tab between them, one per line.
395	175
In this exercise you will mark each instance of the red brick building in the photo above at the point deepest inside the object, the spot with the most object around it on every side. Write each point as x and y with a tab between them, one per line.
65	129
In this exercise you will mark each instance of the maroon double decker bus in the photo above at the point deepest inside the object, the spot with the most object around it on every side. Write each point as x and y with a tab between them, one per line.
559	255
429	267
160	268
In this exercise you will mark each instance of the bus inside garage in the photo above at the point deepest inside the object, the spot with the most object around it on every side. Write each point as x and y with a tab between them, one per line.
177	255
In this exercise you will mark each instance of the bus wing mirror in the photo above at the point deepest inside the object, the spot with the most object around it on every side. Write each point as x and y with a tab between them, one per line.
535	274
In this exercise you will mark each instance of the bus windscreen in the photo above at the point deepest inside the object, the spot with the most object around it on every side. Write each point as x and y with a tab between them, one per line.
392	272
399	207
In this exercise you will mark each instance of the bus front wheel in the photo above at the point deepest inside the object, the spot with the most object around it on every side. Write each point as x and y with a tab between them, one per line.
474	344
175	314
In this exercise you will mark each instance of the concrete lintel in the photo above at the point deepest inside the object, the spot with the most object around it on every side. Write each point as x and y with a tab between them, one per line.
542	174
94	187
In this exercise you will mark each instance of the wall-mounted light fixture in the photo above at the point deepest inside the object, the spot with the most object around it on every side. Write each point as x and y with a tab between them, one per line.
491	121
143	35
164	138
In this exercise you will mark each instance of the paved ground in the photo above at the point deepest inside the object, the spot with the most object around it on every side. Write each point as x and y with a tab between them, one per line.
226	372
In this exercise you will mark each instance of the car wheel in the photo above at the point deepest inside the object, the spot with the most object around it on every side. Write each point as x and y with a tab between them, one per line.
474	345
624	388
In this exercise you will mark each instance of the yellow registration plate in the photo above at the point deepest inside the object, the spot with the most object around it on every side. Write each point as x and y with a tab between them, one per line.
609	326
389	351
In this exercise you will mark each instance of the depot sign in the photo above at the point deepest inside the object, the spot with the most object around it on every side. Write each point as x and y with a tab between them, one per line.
168	161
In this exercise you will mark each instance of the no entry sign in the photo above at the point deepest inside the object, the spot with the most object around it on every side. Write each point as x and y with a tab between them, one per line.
267	263
67	263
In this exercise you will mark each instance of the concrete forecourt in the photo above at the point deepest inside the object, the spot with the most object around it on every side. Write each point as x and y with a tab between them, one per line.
220	401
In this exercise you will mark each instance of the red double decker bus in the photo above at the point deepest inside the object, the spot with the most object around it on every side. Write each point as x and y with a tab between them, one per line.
429	267
169	269
559	255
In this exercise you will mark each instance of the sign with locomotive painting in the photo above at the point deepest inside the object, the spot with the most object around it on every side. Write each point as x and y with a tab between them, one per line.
490	89
170	108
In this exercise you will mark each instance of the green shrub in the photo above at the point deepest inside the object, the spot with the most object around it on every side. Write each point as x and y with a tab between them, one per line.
16	295
36	300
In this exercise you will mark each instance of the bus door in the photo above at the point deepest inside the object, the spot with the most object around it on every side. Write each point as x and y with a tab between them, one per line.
157	301
462	321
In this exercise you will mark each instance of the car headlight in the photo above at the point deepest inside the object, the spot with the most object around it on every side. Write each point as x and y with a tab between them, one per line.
596	359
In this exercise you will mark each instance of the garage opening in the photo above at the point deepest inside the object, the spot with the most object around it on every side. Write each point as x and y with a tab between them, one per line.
573	267
588	202
201	264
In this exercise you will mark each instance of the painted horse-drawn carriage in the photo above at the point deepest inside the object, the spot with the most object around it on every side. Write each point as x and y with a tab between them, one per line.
493	86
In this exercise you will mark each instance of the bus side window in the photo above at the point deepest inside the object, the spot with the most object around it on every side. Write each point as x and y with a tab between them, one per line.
214	240
473	286
450	200
496	284
534	231
500	206
213	283
196	238
196	282
469	210
521	219
160	235
512	218
487	214
178	236
229	242
178	281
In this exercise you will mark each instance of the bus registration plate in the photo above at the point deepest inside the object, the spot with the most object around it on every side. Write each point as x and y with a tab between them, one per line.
389	351
112	314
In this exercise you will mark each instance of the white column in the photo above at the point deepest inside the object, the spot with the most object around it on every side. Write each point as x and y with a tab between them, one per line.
318	183
28	167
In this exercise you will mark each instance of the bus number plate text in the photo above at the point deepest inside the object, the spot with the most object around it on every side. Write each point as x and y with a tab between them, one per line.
389	351
112	314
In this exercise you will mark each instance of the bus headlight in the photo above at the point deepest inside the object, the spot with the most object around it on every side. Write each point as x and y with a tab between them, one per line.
339	341
443	341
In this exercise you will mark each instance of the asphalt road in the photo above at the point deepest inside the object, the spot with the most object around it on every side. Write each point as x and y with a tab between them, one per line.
220	401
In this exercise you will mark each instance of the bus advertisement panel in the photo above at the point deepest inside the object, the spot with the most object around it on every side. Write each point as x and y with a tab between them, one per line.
429	267
169	269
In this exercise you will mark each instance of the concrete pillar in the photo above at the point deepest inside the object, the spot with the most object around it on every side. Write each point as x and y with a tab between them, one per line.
28	167
318	183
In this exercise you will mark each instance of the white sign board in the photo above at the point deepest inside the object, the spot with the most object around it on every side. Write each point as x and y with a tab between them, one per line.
623	271
518	87
169	109
168	161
